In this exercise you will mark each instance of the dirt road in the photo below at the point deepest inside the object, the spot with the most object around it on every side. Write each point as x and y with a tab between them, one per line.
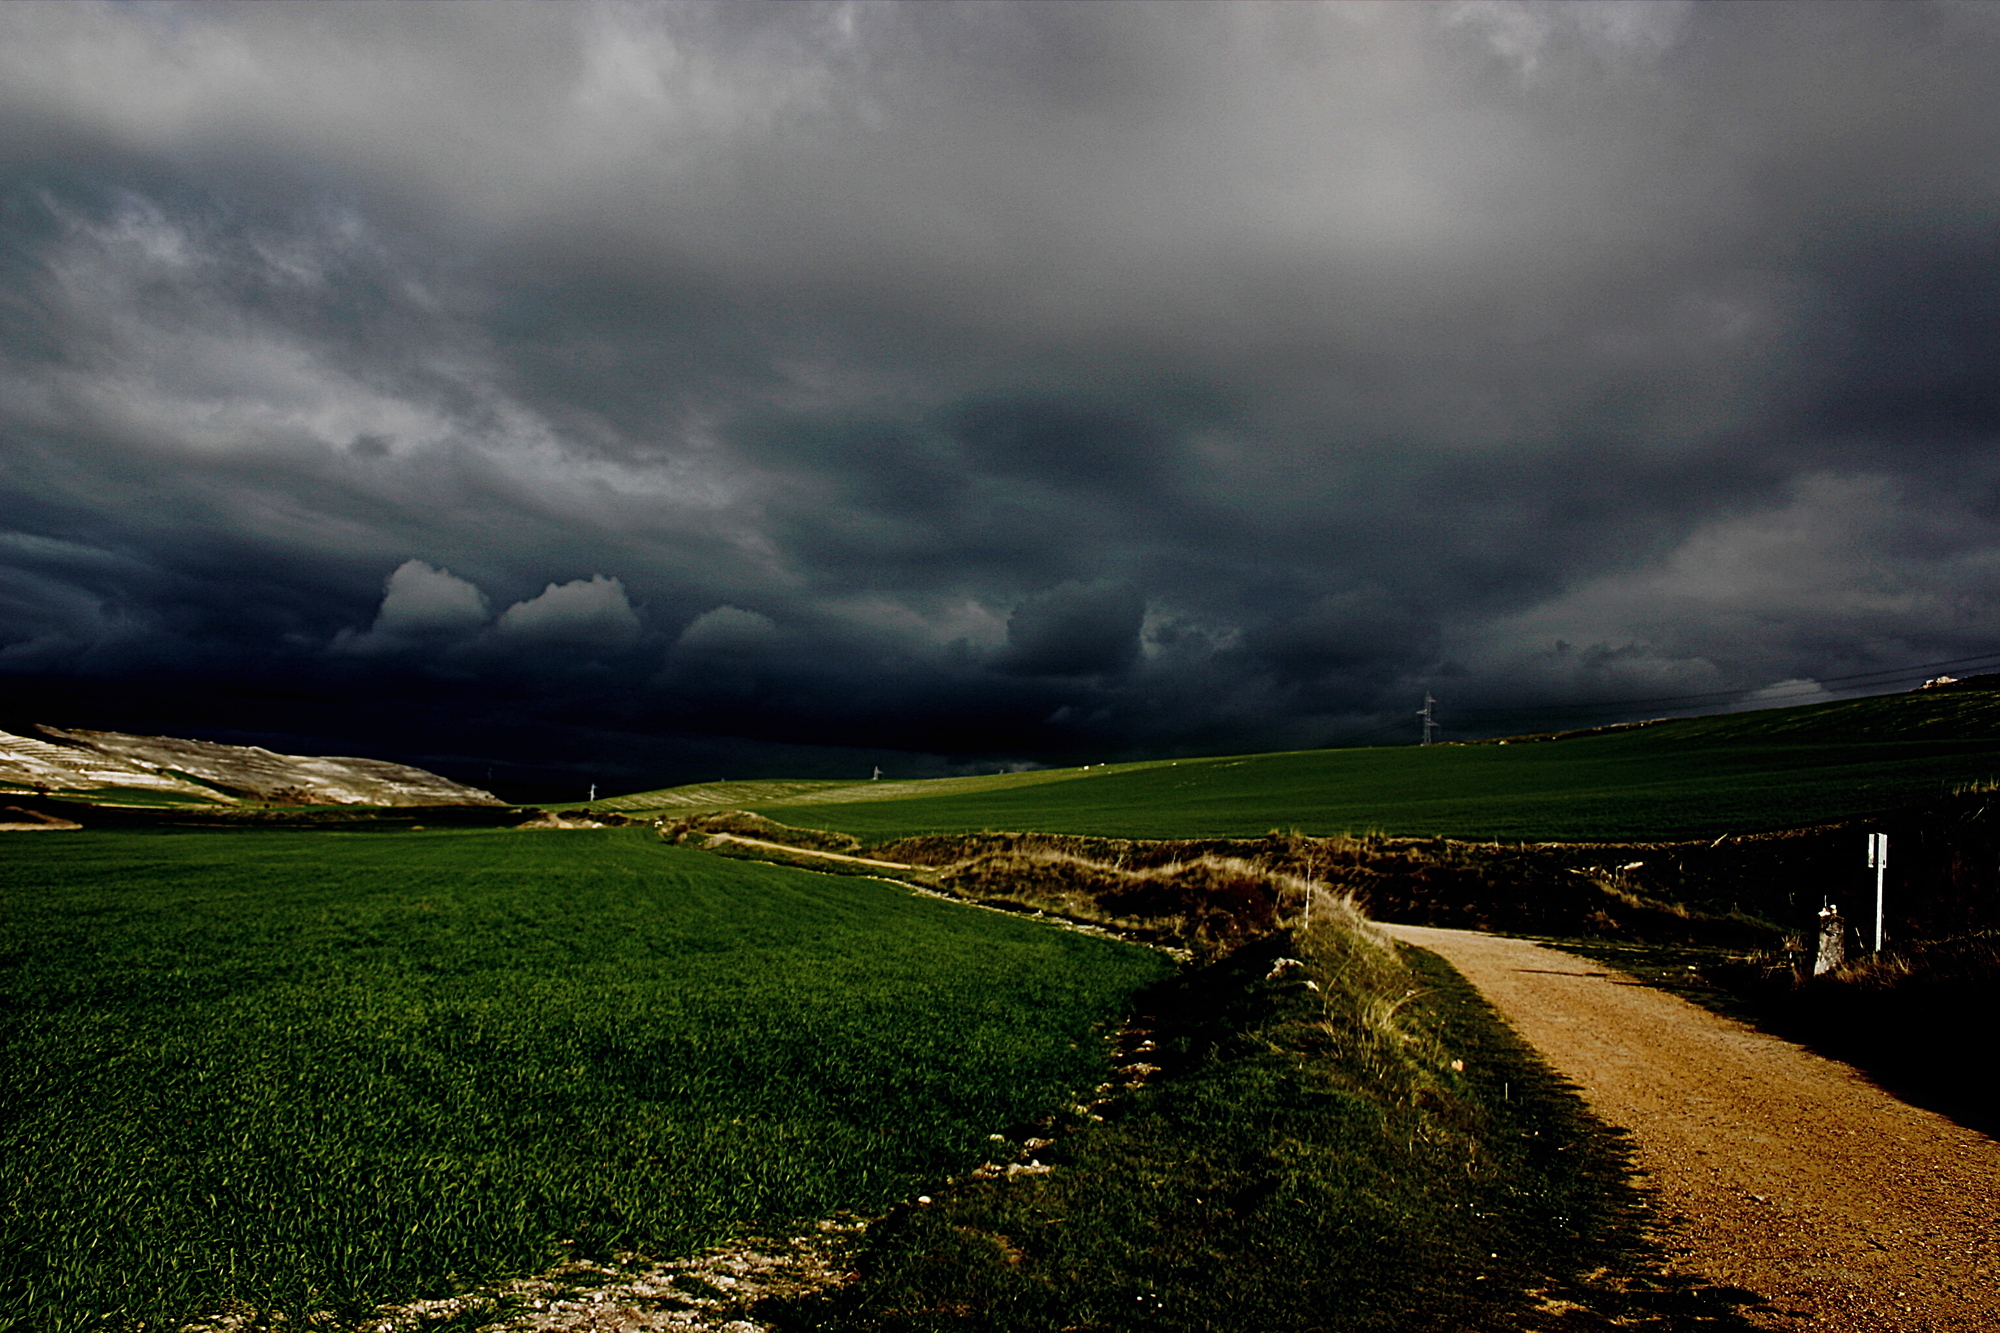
790	850
1778	1171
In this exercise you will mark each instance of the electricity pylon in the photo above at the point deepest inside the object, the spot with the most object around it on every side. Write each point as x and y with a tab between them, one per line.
1430	723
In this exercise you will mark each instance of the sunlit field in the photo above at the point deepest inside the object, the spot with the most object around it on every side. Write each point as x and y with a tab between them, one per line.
313	1071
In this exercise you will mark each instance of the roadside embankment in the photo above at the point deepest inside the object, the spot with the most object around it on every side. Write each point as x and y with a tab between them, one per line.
1312	1131
1217	892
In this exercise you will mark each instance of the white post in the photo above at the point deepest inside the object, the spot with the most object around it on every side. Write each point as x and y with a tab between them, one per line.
1830	952
1878	861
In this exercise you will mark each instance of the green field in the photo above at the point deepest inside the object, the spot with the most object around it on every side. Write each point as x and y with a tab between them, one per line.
1699	777
308	1071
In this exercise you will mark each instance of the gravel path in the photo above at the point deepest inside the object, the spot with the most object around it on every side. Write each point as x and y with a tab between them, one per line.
1775	1170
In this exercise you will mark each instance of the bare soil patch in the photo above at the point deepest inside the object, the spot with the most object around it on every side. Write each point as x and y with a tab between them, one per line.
1773	1169
713	1292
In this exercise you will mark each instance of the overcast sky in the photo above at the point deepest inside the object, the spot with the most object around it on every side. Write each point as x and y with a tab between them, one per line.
644	393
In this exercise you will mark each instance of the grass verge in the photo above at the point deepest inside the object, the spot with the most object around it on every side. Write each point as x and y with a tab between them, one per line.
1316	1132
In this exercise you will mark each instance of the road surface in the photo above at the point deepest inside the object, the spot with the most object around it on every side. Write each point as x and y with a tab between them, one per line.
1774	1169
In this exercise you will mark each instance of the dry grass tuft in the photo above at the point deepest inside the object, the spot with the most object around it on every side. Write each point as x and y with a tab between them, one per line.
1209	903
695	828
1369	998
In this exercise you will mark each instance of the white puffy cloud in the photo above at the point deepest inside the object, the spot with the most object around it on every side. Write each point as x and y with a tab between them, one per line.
421	600
427	606
591	611
420	603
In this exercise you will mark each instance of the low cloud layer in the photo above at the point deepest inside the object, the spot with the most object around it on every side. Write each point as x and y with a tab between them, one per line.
671	391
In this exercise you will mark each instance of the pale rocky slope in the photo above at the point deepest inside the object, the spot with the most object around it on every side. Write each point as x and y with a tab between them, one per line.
93	760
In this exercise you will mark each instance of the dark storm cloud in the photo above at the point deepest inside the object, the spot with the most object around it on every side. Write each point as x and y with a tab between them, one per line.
697	387
1074	630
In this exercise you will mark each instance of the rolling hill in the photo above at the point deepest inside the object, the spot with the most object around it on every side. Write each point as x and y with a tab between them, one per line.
1685	778
112	768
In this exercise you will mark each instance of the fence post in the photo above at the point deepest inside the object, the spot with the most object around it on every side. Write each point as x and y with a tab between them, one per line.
1878	861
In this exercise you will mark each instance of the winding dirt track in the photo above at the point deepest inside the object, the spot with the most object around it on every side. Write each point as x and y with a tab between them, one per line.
1774	1169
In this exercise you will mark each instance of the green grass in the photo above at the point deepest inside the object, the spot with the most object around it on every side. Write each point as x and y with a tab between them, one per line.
1697	778
143	797
712	795
1307	1161
789	792
304	1071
